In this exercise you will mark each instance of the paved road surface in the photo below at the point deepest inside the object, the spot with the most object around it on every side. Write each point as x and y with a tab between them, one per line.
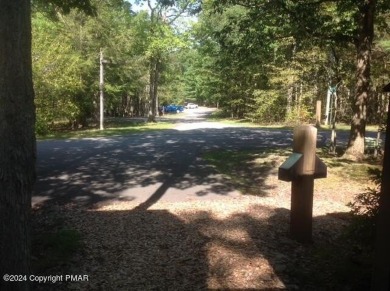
147	167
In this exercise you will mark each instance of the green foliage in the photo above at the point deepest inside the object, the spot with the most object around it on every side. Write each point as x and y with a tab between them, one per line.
299	115
268	61
269	107
66	63
365	209
261	53
41	125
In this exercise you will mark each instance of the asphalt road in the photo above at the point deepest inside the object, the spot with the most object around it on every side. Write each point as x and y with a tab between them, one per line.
147	167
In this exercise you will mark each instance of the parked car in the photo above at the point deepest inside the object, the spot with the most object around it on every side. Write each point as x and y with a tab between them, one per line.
173	108
191	106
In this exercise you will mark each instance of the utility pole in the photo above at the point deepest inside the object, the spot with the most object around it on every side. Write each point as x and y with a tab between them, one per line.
327	109
101	87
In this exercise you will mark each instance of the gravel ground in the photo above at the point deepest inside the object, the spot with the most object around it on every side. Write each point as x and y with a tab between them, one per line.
227	244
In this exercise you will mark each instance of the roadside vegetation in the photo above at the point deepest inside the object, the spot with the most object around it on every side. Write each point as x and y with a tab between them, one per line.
221	116
113	127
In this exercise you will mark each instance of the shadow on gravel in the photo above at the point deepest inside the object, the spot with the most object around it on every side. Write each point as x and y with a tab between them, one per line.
127	250
250	250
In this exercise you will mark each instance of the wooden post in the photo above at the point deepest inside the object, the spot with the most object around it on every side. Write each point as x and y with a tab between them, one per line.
318	113
302	208
305	138
304	142
301	168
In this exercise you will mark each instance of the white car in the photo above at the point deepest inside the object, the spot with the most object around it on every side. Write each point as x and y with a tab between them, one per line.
191	106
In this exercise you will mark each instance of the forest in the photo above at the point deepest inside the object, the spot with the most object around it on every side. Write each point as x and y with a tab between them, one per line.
269	65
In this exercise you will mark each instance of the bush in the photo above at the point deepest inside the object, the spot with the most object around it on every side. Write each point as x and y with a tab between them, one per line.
41	125
268	107
365	209
298	115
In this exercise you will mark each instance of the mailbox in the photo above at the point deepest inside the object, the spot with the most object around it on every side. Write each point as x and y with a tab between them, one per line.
301	168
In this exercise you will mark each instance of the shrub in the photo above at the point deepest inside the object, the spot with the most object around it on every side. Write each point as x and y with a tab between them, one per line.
365	209
298	115
41	125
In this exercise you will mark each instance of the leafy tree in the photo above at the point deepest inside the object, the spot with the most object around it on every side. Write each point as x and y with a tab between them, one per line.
162	40
326	22
56	73
71	91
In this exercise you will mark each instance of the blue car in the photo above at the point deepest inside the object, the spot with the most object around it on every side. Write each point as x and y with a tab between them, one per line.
173	108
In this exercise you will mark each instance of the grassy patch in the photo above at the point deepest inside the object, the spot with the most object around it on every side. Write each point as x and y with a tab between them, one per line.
358	172
224	117
111	129
247	170
347	127
247	123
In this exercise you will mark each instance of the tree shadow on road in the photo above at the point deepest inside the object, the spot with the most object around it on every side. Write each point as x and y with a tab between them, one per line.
144	167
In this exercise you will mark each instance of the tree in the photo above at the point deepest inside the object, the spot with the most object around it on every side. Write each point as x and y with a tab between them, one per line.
325	22
363	42
65	68
18	146
17	149
163	39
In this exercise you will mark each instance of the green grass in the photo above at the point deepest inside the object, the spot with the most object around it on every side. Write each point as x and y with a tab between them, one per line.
219	116
244	167
111	129
247	170
223	117
347	127
350	170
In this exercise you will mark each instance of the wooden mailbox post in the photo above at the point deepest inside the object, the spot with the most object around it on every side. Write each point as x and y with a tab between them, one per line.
301	168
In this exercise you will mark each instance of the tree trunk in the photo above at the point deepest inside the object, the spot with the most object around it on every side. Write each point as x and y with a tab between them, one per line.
381	270
17	147
355	148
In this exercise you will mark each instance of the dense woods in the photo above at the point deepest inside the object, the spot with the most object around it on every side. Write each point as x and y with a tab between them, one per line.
140	51
265	61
